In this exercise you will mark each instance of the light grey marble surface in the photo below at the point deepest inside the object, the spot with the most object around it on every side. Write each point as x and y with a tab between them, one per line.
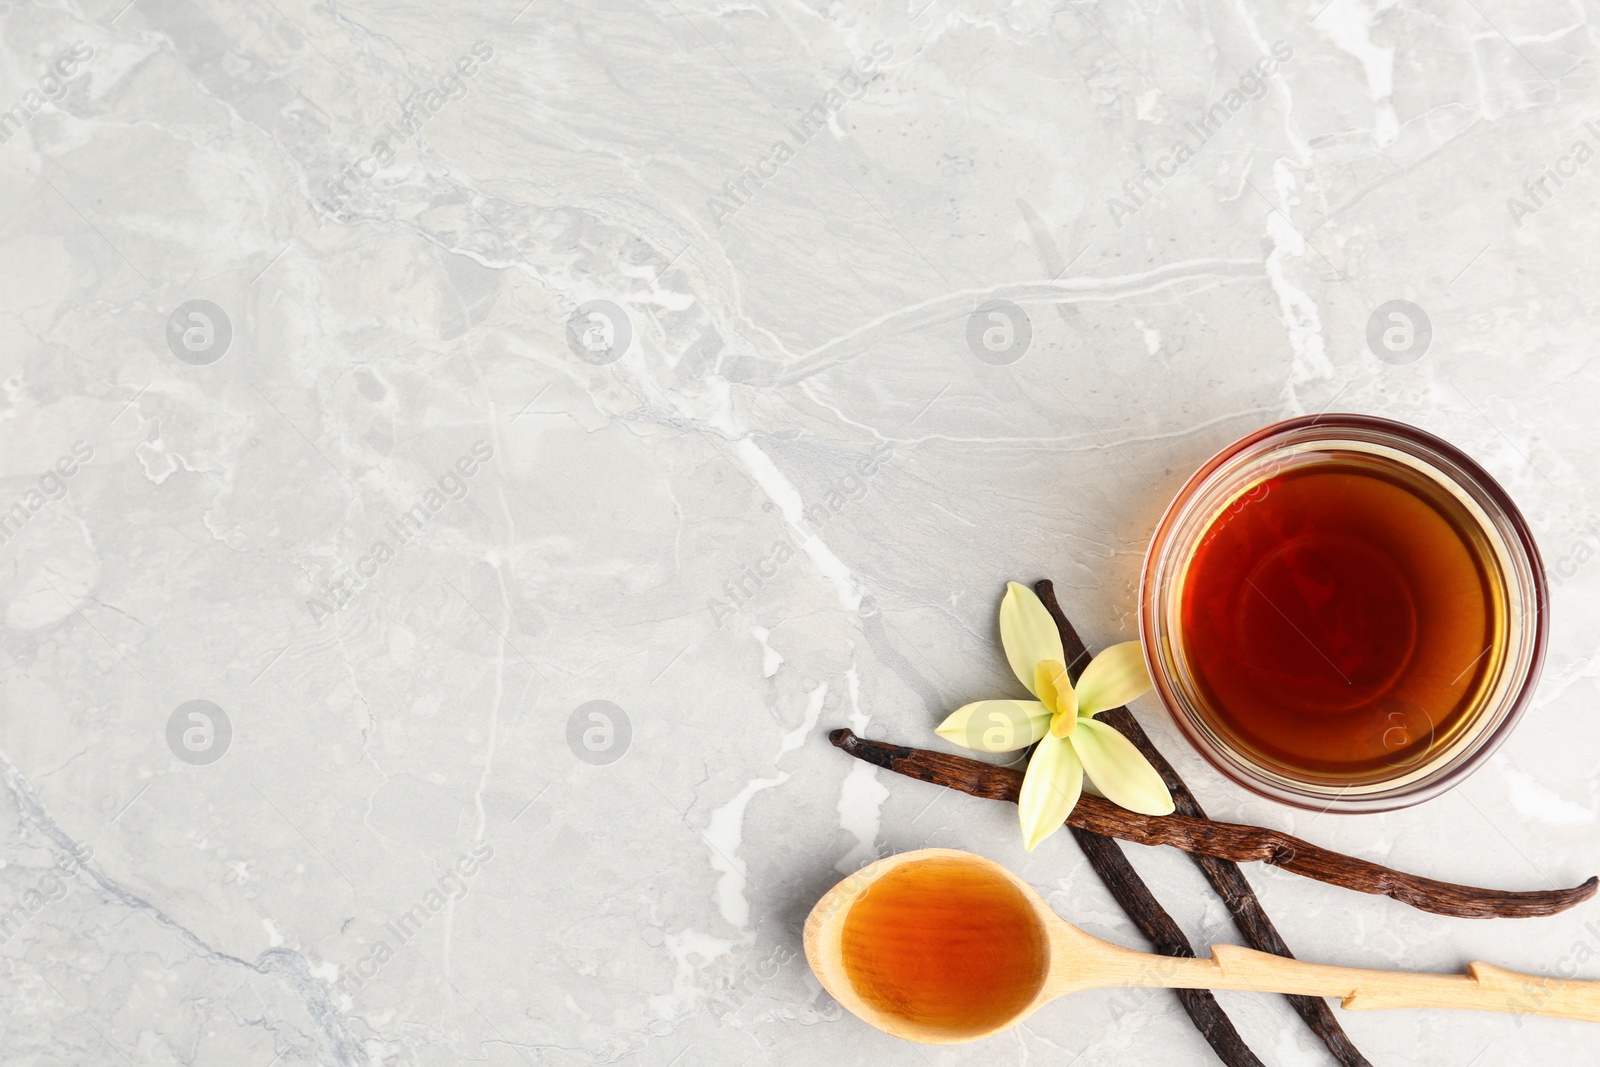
392	211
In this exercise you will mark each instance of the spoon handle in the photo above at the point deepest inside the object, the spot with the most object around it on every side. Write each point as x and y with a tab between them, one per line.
1482	988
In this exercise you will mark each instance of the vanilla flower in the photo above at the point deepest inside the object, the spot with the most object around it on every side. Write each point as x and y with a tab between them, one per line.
1062	720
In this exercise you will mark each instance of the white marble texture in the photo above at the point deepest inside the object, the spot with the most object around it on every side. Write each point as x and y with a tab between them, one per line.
646	910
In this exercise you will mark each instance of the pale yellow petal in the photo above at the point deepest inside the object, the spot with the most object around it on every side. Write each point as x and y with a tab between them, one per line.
1028	634
1118	769
1050	790
996	725
1113	678
1054	687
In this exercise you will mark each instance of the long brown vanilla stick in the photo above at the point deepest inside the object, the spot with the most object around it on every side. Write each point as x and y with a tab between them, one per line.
1225	877
1229	841
1135	898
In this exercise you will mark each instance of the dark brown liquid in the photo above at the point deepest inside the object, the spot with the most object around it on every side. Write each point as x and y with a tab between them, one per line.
948	946
1341	619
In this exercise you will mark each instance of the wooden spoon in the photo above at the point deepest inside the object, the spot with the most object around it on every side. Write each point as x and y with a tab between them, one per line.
941	946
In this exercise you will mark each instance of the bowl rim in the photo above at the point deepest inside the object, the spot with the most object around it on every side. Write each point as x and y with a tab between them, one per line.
1404	437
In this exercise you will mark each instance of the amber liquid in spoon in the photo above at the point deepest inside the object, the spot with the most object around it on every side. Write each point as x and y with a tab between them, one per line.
945	945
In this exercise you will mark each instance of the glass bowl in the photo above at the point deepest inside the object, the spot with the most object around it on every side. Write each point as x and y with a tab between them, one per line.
1513	590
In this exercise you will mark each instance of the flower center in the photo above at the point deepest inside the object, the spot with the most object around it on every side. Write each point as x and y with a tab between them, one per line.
1055	691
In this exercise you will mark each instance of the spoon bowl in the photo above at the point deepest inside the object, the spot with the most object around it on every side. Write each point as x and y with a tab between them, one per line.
940	946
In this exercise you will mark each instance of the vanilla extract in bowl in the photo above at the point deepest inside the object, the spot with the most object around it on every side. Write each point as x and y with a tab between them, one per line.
1343	613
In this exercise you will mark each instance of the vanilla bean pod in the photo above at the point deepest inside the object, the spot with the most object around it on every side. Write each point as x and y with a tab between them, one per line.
1225	877
1135	898
1229	841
